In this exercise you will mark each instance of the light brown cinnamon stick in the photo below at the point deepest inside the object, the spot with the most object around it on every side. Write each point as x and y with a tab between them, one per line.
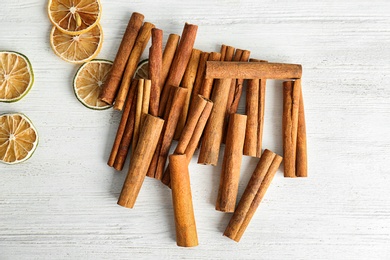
111	86
230	175
301	161
145	100
253	194
186	234
125	142
122	124
252	70
139	46
212	138
187	83
169	53
155	66
239	85
140	161
179	63
291	95
192	132
171	117
138	112
252	110
207	85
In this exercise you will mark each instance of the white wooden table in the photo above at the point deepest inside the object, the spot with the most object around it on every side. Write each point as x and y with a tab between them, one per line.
62	202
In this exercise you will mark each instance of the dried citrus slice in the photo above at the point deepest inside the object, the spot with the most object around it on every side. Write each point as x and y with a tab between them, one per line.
77	48
88	82
74	16
16	76
18	138
142	71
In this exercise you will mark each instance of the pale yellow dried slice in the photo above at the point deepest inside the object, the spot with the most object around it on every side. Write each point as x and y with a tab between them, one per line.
142	71
77	48
18	138
88	82
16	76
74	16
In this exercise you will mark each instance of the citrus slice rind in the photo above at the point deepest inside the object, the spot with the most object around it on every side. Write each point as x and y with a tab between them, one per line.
77	48
74	16
18	138
16	76
142	71
88	81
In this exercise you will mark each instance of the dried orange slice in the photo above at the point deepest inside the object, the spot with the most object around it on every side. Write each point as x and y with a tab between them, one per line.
74	16
16	76
18	138
77	48
142	71
88	82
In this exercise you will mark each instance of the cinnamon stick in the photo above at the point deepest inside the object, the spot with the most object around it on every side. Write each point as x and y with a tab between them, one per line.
208	83
122	124
145	100
238	87
140	161
111	85
169	53
212	138
252	102
171	117
253	194
139	47
186	234
155	67
138	112
252	70
291	95
230	175
192	132
188	83
179	63
301	161
125	142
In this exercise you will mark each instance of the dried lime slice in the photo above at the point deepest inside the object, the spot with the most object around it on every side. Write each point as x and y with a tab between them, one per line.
16	76
18	138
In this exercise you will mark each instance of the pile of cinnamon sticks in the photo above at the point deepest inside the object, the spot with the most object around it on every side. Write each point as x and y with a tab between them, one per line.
192	96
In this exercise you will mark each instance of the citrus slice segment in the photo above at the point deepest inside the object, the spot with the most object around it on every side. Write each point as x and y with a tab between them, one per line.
88	81
16	76
74	16
77	48
18	138
142	71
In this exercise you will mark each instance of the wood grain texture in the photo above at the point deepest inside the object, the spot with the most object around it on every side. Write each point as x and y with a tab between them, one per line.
62	202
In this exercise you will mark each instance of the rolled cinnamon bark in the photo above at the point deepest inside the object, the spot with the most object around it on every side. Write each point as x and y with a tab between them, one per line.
253	194
171	117
192	132
260	123
239	85
230	175
132	63
212	138
186	234
208	84
122	124
140	161
138	112
301	161
179	63
125	142
252	110
187	83
252	70
145	100
155	66
111	85
169	53
291	95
